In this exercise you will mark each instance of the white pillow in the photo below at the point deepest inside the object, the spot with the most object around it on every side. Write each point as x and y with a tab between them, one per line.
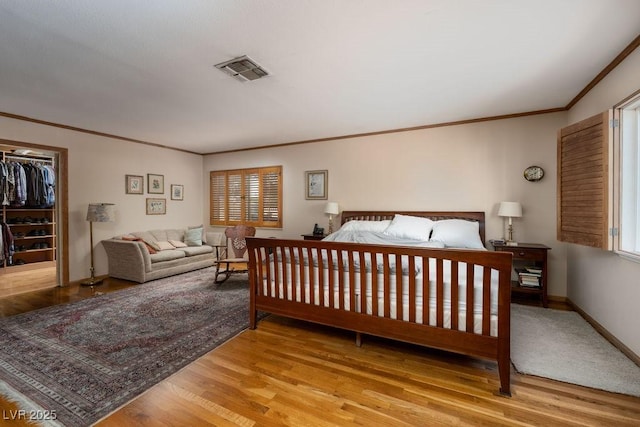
359	225
165	246
457	233
410	227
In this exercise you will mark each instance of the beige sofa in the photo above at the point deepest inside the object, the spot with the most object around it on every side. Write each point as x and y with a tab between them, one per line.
150	255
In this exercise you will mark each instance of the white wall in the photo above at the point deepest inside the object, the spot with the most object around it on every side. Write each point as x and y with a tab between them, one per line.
97	169
464	167
604	285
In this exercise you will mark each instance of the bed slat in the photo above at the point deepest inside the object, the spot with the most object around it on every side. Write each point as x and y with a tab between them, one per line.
470	296
454	295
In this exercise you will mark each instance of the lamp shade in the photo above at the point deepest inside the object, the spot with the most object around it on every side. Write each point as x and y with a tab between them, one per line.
510	209
331	208
101	212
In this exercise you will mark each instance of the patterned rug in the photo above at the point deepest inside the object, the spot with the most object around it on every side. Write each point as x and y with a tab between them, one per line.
78	362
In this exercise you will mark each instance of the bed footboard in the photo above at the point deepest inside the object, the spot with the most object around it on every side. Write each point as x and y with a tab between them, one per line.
455	300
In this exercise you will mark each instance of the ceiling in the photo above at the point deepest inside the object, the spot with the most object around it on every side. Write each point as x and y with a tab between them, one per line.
144	69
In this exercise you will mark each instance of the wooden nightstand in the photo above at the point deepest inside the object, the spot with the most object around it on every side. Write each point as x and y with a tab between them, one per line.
313	236
530	266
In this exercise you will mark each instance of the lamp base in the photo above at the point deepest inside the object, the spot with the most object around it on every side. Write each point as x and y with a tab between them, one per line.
91	282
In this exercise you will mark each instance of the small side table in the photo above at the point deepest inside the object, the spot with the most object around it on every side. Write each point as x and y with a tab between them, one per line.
532	255
313	236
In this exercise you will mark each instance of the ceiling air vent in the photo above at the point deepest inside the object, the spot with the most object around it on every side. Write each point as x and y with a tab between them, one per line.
243	69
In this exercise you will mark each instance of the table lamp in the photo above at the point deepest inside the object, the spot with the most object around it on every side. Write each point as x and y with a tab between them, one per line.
332	209
510	210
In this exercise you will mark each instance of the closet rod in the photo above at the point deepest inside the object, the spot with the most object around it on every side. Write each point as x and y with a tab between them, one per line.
29	159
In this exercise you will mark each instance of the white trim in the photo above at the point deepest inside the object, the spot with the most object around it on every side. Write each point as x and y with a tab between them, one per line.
629	256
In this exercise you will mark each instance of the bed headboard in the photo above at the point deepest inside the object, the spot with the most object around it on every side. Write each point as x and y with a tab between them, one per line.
436	216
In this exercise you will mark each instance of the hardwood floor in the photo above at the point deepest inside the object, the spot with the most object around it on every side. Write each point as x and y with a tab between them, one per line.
288	372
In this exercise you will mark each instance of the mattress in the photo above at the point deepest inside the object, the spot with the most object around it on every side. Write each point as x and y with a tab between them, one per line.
363	282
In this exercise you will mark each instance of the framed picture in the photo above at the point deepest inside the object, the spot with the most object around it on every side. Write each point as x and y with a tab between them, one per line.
134	184
155	184
177	192
156	206
316	185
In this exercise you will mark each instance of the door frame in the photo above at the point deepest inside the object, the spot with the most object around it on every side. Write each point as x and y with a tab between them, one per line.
62	203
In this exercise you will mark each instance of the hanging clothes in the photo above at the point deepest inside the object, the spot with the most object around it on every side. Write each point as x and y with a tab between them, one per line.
4	183
7	242
27	184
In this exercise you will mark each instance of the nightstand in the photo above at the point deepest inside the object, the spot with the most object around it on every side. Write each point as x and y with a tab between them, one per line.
530	269
313	236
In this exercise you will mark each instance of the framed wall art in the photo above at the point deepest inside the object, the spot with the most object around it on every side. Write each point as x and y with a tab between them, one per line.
155	183
134	184
156	206
316	185
177	192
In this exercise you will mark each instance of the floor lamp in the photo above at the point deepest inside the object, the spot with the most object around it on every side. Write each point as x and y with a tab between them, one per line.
97	212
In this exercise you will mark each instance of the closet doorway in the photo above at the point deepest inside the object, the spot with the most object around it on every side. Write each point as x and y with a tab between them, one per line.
34	217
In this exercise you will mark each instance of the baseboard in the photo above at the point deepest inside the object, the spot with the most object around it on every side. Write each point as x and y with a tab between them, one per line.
556	298
608	335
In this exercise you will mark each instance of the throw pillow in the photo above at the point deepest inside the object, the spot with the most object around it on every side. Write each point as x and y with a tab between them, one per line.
201	227
165	246
193	237
178	244
138	239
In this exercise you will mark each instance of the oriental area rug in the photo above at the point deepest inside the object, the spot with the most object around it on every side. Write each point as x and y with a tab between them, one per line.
80	361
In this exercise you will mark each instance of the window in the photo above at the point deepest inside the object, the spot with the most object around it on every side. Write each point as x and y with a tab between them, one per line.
629	177
246	196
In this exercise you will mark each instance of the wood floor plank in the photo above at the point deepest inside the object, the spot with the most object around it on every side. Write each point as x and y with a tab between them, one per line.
288	372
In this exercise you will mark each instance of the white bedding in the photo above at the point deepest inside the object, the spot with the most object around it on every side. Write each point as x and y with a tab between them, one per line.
363	280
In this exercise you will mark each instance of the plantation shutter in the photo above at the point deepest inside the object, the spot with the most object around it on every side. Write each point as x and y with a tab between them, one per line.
584	184
271	196
247	196
234	197
252	198
218	198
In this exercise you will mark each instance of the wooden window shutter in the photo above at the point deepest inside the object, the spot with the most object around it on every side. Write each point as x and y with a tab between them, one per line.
247	196
217	206
584	183
252	197
271	180
234	197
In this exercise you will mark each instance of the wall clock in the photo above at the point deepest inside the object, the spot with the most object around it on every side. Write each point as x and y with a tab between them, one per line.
533	173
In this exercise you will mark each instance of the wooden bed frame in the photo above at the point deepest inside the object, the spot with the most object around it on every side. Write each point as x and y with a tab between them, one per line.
268	264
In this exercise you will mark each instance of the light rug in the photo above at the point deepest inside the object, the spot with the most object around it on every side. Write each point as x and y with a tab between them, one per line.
561	345
80	361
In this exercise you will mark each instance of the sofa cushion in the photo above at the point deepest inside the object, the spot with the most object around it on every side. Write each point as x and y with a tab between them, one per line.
175	234
166	256
196	250
160	235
